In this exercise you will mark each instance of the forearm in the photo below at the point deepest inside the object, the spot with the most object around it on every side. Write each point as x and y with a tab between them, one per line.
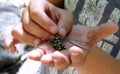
98	62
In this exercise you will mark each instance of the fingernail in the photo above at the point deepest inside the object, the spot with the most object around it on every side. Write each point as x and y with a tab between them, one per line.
37	42
75	54
53	29
63	32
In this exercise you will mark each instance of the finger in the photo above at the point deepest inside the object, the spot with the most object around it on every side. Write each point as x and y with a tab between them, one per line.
47	48
38	11
19	34
36	54
47	60
61	60
77	56
9	43
64	23
33	28
104	30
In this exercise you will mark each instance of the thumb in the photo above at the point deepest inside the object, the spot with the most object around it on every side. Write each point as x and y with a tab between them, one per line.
65	23
9	43
104	30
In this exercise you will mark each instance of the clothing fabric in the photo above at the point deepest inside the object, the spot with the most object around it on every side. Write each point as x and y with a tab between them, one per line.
95	13
90	13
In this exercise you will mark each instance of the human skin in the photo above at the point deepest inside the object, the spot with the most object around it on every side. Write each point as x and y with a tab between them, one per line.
99	62
93	64
83	39
40	21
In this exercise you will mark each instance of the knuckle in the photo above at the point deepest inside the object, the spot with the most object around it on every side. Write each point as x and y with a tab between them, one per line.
44	35
34	12
14	32
25	20
70	14
26	27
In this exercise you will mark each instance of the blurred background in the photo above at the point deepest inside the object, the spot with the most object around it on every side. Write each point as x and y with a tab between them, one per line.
10	15
18	63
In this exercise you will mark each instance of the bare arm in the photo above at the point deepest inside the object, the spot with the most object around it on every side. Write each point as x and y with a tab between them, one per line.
98	62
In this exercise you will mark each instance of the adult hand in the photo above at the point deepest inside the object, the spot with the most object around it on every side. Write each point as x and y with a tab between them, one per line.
40	21
78	43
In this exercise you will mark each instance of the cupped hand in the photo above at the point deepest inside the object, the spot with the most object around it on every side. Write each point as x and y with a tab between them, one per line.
78	43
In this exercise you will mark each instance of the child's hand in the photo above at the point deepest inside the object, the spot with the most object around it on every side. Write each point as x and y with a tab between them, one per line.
40	21
78	43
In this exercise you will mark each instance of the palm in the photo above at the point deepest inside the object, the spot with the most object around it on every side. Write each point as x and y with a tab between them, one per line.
82	37
85	37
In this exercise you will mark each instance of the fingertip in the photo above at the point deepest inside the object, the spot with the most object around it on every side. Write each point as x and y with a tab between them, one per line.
36	54
76	51
61	62
47	60
57	57
63	55
104	30
17	29
12	49
114	27
62	32
9	42
77	56
53	29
